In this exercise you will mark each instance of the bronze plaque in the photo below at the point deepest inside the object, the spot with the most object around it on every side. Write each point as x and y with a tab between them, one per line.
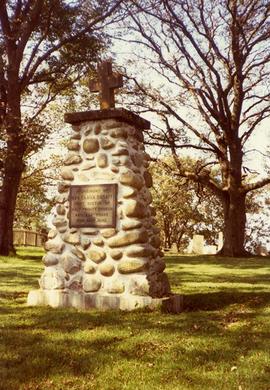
93	205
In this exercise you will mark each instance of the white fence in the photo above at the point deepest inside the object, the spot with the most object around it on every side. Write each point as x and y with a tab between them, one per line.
28	238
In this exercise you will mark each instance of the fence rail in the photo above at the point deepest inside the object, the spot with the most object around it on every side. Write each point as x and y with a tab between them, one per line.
28	238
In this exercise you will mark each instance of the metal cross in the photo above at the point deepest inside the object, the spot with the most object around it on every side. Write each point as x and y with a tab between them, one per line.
106	83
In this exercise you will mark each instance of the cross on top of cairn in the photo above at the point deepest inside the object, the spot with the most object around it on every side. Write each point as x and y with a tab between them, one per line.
106	83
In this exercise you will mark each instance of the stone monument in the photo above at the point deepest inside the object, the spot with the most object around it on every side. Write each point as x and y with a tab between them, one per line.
104	251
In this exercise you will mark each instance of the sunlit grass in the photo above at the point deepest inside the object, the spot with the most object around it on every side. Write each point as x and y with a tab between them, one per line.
220	341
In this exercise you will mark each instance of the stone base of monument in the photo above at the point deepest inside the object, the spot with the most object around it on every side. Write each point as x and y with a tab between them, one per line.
80	300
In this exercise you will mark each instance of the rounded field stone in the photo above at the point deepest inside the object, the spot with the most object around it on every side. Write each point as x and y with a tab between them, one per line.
91	145
131	179
129	266
73	159
73	145
77	252
63	187
71	264
107	233
116	254
128	224
88	267
85	242
116	287
139	251
102	160
129	192
134	209
52	233
137	159
52	279
54	246
96	256
106	269
133	237
106	143
67	174
73	239
114	169
60	209
121	152
148	179
119	133
50	259
97	128
98	241
139	285
91	283
155	241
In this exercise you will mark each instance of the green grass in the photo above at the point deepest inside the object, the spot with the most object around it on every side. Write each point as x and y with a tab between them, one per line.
220	341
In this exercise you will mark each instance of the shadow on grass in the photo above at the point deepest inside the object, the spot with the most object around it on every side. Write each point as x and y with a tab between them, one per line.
226	262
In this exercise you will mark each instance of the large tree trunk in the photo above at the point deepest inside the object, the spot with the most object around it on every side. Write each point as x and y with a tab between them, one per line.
234	225
12	176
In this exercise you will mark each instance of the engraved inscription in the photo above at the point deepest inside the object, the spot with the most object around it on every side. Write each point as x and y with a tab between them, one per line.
93	205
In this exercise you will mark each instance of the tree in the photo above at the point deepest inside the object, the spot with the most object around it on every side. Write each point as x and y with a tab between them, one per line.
45	46
214	62
183	208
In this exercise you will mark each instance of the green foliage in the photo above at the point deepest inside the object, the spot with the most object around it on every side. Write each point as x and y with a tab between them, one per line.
220	342
183	208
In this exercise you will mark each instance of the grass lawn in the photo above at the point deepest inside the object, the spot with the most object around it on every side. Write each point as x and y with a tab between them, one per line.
220	341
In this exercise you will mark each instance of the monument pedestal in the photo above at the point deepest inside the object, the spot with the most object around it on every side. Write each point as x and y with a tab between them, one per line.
80	300
104	251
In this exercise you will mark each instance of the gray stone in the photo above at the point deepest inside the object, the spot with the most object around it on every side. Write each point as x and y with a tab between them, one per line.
96	256
60	209
173	304
121	152
140	251
106	143
107	233
129	192
97	128
73	159
114	169
61	198
129	224
85	242
63	187
73	145
98	241
52	233
88	165
106	269
155	241
148	179
139	285
131	179
91	145
91	283
67	173
119	133
80	254
73	239
50	259
89	267
116	287
76	136
52	279
71	264
133	237
134	209
129	266
102	160
116	254
54	246
137	159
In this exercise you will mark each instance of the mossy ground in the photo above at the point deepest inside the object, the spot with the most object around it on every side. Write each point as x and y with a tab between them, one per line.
220	341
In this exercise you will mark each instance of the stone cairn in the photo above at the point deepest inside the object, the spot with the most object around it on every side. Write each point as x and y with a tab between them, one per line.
116	267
